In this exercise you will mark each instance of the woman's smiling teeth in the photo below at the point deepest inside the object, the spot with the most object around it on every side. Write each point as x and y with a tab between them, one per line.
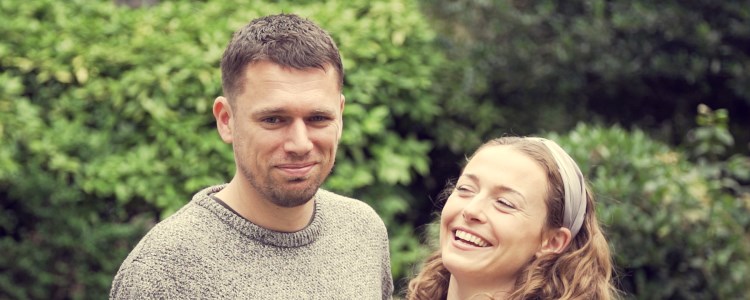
470	239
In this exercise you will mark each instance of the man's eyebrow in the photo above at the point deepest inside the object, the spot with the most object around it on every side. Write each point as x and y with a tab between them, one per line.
268	111
281	111
323	112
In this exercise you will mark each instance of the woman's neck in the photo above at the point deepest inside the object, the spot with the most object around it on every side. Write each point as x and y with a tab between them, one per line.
469	289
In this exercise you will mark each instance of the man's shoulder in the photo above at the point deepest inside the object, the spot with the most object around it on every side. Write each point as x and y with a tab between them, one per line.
189	227
350	209
332	199
194	215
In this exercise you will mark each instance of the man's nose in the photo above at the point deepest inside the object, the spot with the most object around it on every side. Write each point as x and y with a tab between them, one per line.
298	139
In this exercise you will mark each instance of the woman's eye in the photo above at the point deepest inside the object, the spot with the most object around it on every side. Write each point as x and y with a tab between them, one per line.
506	203
464	190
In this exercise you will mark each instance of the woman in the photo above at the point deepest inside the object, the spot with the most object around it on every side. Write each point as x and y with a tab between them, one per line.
519	224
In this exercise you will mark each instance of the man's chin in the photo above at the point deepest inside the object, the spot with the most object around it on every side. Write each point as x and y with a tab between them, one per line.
294	194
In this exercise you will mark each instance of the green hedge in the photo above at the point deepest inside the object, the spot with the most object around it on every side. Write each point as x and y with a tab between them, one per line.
107	126
546	64
676	232
677	229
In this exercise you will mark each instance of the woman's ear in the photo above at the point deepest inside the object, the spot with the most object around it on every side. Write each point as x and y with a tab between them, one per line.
223	114
555	241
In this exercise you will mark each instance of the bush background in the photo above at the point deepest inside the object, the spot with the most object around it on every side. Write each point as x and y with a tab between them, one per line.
105	124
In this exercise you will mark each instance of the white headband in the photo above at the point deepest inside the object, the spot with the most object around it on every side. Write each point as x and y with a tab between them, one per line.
575	188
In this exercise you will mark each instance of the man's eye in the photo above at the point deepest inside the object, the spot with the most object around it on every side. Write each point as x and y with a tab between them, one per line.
271	120
318	118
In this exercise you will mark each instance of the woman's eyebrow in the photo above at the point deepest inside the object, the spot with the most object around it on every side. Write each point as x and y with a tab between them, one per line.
499	188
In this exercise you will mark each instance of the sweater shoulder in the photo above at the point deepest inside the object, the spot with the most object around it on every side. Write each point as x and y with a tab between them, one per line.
177	234
346	204
343	208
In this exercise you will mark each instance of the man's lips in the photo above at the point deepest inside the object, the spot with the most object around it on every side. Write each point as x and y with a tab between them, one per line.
297	169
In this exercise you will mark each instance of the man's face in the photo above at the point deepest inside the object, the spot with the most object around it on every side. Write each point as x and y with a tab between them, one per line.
285	128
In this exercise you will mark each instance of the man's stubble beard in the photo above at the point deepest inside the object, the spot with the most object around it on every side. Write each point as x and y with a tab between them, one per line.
276	193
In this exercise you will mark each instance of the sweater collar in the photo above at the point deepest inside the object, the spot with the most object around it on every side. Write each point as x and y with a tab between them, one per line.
266	236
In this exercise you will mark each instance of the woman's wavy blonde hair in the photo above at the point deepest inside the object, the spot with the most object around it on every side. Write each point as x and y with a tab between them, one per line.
582	271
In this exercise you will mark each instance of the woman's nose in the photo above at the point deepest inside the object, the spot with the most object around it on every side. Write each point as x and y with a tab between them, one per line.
474	210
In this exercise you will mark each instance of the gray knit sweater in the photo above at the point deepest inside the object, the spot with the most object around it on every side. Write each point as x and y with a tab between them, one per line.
205	251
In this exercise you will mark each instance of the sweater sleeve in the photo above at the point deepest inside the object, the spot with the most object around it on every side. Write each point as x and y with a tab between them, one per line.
387	278
137	280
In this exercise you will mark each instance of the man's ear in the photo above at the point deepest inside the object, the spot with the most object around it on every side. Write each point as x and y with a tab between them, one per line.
555	241
223	114
341	122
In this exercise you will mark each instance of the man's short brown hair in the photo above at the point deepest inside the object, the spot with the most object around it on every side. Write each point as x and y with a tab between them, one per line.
285	39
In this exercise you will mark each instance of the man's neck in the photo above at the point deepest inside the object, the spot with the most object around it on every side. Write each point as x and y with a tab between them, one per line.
251	206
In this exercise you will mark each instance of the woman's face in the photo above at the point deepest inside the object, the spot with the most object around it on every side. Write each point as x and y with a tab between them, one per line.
492	224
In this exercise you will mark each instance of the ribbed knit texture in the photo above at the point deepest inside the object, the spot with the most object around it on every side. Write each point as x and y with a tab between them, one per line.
205	251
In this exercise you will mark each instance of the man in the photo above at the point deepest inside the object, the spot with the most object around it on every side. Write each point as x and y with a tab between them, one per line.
270	233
